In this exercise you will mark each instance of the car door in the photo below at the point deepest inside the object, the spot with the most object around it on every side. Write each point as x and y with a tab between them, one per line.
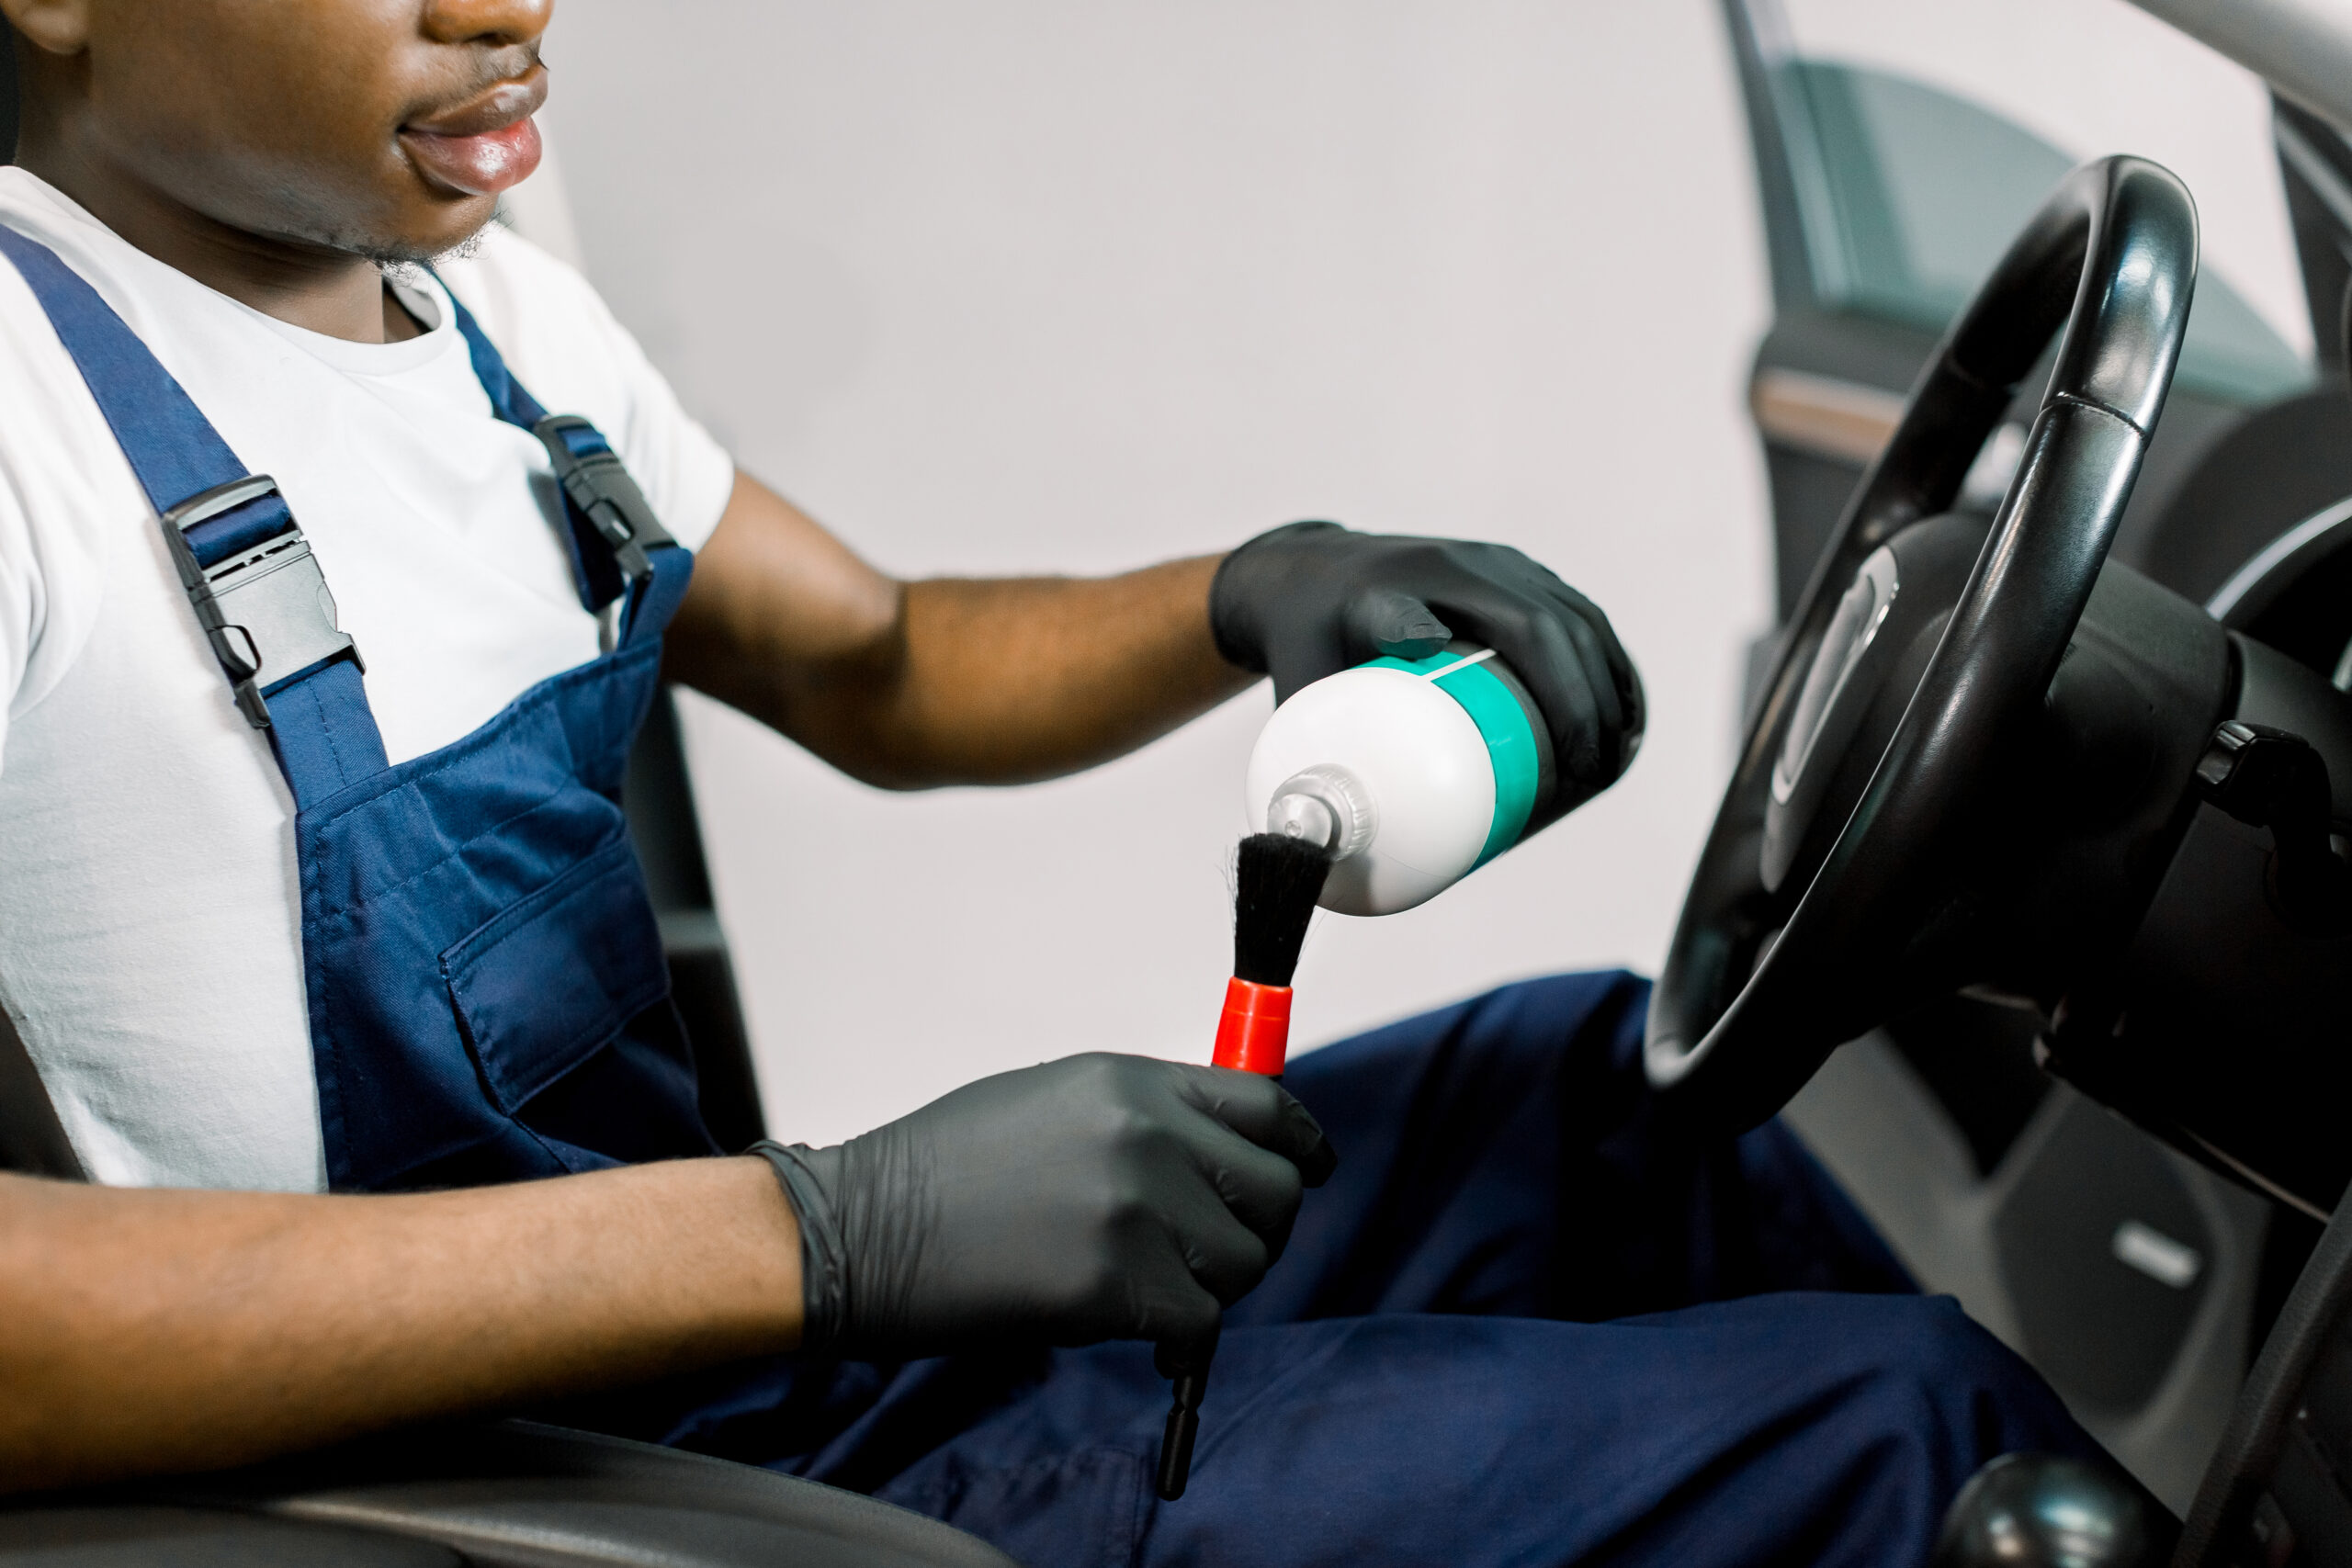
1886	201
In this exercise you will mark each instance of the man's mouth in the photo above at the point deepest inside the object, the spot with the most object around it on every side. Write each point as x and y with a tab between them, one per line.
485	145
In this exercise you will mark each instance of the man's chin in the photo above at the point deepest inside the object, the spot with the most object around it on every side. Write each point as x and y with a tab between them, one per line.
423	247
424	253
409	233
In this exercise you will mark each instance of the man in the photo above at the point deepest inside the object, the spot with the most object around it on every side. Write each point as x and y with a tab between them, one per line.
314	967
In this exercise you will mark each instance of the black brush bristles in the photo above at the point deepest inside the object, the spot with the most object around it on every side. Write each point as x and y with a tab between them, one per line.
1276	881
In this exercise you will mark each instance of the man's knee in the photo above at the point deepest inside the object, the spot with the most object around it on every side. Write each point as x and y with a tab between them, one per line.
1532	1023
1449	1083
1920	1366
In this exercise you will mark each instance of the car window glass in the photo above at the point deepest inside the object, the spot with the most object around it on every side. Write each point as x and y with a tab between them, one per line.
1915	193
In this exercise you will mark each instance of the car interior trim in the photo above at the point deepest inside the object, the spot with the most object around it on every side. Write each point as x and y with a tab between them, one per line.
2242	582
1824	415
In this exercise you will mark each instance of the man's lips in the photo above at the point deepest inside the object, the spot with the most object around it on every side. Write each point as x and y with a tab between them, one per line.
484	145
482	165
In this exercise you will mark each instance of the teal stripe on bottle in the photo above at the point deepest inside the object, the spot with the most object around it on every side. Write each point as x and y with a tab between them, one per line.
1502	723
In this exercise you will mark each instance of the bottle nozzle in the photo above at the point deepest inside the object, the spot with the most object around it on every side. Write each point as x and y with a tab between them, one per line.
1325	805
1302	817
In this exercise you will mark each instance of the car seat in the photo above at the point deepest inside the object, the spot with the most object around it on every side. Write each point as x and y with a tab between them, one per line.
502	1495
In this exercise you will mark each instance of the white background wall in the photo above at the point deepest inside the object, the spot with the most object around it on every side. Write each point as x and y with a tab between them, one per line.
1045	285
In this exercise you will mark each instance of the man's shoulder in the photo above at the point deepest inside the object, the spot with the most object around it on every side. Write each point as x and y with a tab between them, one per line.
54	429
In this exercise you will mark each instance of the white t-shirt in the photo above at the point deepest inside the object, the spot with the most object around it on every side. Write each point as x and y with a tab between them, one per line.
151	949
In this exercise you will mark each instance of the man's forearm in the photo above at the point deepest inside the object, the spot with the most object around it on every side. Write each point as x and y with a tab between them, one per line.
908	685
1011	681
153	1331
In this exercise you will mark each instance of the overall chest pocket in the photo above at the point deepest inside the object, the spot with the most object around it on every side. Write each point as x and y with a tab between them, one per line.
538	988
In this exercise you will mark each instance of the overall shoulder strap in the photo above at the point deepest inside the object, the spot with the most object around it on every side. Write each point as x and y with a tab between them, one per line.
616	542
256	589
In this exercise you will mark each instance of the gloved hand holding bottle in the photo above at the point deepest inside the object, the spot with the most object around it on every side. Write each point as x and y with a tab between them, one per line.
1308	600
1411	756
1101	1197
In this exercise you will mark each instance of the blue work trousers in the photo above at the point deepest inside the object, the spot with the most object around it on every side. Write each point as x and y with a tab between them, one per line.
1528	1322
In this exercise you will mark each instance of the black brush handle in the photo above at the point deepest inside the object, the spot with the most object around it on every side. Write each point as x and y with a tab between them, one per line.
1176	1443
1188	1366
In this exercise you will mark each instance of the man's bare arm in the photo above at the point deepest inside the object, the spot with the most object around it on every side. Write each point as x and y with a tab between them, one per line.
155	1331
908	685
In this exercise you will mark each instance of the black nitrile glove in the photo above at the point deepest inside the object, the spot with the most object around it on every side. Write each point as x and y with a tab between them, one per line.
1311	599
1096	1198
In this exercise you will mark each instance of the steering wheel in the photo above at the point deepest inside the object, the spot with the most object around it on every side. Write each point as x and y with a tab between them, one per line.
1918	662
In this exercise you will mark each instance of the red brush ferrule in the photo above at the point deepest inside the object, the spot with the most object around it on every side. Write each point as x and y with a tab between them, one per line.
1253	1033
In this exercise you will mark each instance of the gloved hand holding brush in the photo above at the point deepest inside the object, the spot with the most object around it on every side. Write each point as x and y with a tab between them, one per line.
1276	881
1096	1198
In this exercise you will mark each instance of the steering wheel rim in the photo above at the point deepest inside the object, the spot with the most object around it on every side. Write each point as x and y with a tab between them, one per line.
2111	255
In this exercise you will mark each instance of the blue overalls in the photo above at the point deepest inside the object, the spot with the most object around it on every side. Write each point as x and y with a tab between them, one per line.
487	994
1530	1322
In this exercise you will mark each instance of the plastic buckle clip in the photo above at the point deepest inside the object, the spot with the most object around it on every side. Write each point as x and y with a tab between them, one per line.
600	488
264	608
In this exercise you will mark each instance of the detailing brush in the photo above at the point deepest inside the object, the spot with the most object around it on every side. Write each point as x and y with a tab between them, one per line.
1277	879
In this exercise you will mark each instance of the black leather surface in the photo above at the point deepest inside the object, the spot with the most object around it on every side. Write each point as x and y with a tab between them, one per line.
529	1495
31	1140
504	1495
120	1537
659	798
2280	466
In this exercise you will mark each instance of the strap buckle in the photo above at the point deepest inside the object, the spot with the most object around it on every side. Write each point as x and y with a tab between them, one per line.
264	606
601	490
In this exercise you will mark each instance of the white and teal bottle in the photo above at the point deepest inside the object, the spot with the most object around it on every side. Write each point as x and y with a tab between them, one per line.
1412	772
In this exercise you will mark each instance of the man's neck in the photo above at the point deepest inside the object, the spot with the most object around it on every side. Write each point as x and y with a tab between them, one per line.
324	291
